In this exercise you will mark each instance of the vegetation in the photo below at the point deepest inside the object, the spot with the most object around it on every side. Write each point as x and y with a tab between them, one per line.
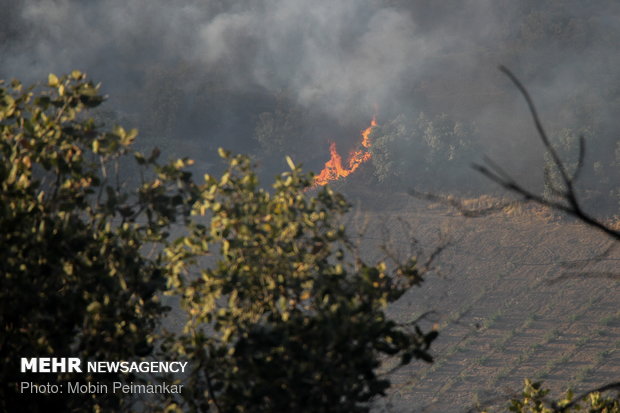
285	317
424	149
75	279
85	250
598	188
561	176
534	400
297	322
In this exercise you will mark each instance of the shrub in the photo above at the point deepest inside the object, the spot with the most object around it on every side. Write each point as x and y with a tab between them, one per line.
75	280
288	317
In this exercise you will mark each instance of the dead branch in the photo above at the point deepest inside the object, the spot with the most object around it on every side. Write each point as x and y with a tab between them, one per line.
569	201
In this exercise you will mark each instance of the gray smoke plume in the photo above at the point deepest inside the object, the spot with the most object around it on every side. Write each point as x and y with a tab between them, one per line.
204	71
331	54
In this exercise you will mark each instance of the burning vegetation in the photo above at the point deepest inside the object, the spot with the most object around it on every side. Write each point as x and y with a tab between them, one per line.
334	169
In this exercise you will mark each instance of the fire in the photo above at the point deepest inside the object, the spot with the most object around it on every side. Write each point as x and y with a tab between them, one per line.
366	132
334	169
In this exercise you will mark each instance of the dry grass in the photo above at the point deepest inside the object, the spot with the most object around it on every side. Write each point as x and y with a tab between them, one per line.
504	264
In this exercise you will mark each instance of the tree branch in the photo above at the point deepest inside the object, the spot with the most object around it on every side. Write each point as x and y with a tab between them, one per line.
570	204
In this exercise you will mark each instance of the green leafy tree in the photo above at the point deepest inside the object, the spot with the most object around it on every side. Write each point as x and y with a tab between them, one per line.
75	279
286	317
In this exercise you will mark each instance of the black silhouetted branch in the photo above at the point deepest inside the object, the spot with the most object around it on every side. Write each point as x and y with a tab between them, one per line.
569	202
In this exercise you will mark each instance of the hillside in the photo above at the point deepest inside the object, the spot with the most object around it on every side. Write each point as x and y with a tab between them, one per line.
521	295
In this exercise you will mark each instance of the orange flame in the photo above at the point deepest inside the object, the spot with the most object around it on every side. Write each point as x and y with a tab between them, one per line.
334	169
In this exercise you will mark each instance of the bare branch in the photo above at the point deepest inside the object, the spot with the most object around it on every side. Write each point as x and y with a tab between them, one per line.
571	204
582	155
568	203
539	127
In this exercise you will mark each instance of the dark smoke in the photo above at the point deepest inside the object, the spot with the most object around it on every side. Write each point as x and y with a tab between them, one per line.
195	75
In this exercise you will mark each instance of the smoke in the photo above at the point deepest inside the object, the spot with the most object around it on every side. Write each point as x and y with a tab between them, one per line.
328	53
203	71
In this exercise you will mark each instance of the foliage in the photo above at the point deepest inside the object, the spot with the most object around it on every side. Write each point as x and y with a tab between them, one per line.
75	278
534	400
423	150
286	317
